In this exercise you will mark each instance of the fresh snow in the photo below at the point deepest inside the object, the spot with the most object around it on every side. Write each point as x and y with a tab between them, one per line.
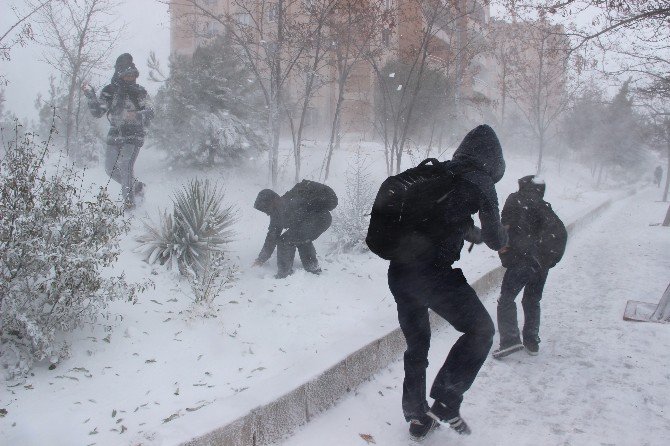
598	380
158	372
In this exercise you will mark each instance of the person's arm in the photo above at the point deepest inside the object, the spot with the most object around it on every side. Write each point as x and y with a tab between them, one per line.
271	239
98	106
493	234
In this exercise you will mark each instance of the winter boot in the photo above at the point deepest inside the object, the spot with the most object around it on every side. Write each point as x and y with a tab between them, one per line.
444	414
532	347
507	349
419	428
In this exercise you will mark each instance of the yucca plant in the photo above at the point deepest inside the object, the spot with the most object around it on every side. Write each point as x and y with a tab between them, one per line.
198	227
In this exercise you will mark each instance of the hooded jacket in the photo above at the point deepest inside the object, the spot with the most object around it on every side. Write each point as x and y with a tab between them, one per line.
522	214
480	153
126	105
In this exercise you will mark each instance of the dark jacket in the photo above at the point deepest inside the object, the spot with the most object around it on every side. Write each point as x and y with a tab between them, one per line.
299	211
522	214
128	109
473	192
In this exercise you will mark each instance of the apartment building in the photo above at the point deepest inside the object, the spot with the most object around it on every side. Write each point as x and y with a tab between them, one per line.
397	36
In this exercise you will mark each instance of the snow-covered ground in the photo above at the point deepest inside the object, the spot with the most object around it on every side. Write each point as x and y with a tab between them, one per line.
156	371
598	380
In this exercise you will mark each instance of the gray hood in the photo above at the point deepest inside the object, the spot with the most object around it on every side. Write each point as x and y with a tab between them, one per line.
481	148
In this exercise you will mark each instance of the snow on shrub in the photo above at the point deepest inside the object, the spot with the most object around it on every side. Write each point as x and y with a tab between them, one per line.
198	228
351	220
57	238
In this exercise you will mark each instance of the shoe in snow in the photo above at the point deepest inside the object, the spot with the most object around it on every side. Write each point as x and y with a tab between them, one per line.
442	413
283	274
507	350
419	428
532	347
460	426
316	271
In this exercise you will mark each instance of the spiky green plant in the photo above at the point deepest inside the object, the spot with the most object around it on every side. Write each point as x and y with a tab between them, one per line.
198	227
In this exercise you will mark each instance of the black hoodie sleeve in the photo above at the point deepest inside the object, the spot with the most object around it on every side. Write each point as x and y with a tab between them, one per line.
492	232
271	239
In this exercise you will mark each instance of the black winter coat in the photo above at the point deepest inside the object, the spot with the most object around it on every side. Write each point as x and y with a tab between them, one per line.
522	217
473	192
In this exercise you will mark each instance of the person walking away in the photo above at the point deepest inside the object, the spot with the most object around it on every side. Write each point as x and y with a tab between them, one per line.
304	212
426	280
537	239
128	109
658	175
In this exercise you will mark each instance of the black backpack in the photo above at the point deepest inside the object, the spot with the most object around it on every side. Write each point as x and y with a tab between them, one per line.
553	237
310	196
406	213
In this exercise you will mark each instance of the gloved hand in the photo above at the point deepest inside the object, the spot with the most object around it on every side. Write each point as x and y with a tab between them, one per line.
88	91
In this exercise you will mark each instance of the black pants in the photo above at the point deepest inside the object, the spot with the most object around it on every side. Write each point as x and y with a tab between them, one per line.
301	237
416	288
532	279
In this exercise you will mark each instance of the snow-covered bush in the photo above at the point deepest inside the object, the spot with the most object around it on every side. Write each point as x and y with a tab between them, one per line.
56	240
351	220
209	109
209	282
199	227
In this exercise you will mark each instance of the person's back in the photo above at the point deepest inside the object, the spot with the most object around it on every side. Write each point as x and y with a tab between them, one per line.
658	175
304	211
429	281
537	240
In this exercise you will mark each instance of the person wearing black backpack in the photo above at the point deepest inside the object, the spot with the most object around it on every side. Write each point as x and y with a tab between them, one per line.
537	239
304	212
126	104
421	275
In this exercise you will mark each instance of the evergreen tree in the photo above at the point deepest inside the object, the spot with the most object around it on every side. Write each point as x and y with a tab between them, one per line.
207	112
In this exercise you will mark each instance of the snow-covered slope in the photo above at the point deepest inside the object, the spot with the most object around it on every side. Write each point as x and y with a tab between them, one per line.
598	380
154	366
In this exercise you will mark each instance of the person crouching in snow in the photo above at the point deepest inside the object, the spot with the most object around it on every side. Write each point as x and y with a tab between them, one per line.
129	111
537	239
304	213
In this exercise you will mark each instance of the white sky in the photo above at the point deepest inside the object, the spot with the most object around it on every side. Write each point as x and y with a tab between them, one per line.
147	28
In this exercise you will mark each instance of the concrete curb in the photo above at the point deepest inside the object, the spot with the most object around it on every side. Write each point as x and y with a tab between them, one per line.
276	420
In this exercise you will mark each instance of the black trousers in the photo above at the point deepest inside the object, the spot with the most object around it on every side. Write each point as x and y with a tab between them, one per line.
301	237
416	288
532	280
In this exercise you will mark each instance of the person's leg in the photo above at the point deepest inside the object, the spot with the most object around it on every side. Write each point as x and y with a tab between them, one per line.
125	165
513	281
285	257
531	306
413	319
112	155
308	258
454	299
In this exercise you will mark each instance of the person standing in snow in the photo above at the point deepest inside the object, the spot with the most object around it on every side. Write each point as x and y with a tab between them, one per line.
129	111
537	239
430	281
658	175
304	212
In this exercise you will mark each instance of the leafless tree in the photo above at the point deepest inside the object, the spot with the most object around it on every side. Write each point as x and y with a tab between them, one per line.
21	31
78	37
311	32
539	77
358	31
442	41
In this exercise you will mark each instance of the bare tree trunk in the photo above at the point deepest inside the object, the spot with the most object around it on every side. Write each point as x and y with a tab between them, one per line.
667	168
336	121
666	221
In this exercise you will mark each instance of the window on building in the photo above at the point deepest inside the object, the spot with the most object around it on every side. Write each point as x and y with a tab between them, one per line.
243	18
386	37
273	12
